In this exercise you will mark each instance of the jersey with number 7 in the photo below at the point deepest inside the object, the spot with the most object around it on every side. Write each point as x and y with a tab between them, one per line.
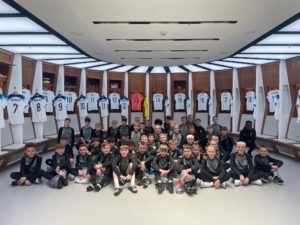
15	108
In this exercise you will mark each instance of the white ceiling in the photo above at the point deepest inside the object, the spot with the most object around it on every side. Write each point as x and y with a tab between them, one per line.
73	19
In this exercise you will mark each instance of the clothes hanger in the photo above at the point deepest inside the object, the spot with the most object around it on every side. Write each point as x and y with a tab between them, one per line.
15	91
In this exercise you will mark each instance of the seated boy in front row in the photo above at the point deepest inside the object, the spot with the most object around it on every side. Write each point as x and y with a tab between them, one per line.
268	165
163	166
212	172
82	165
123	167
101	171
187	167
30	168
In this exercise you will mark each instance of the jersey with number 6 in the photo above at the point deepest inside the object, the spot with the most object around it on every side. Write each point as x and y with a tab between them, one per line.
60	105
103	105
15	108
158	99
114	100
71	98
38	108
82	104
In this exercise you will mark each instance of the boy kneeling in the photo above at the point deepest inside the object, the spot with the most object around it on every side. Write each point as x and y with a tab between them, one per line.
187	167
213	173
123	167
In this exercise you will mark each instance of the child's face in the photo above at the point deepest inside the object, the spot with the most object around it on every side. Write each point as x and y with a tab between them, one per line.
196	151
263	152
148	123
215	120
125	138
224	132
106	149
144	138
240	148
142	126
163	153
67	123
215	138
198	122
98	127
190	140
210	130
142	149
64	141
124	122
83	150
96	143
191	130
214	144
114	124
136	127
60	151
211	153
187	153
131	148
87	124
173	146
124	152
163	138
157	129
172	124
151	139
30	152
183	120
176	129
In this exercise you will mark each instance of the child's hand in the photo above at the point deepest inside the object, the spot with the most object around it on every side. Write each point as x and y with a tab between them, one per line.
27	183
22	180
80	173
143	167
71	161
98	172
189	177
217	184
122	177
128	177
274	168
242	178
246	181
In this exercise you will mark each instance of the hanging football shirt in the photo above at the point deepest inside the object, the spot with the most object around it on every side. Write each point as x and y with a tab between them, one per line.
82	104
92	98
167	106
189	107
226	101
202	99
60	105
49	97
15	108
250	100
3	104
136	101
38	108
114	100
158	99
71	98
179	101
271	99
124	103
298	106
146	107
103	105
27	95
277	103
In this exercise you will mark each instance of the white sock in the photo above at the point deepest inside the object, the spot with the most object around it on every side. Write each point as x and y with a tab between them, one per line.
132	181
116	182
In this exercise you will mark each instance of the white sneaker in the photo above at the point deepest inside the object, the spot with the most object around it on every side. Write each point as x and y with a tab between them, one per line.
223	185
237	183
206	184
71	177
257	182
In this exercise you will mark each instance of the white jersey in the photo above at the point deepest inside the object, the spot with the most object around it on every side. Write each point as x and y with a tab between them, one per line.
38	108
15	108
179	101
27	95
49	97
226	101
189	107
167	107
71	98
114	100
3	104
82	104
124	103
202	99
103	105
298	106
92	98
250	101
277	103
158	99
271	96
60	105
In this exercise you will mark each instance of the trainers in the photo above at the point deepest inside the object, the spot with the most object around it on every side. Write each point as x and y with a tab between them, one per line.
38	180
65	182
265	180
223	185
146	182
139	182
160	187
98	187
206	184
14	183
170	187
133	189
90	188
237	183
71	177
278	180
117	191
257	182
179	190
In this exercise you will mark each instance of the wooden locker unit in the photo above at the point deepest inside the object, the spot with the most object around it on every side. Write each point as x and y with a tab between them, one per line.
223	81
179	84
6	61
115	83
50	72
158	84
72	79
201	83
94	81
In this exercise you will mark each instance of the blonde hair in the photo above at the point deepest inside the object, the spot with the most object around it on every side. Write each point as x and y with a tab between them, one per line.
163	148
190	136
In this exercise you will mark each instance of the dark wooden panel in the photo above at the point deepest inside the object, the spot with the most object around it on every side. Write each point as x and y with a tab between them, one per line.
28	70
136	83
223	81
270	74
94	81
158	84
72	79
179	84
6	57
50	68
201	83
115	76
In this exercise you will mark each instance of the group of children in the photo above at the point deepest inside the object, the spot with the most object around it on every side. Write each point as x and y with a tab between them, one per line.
134	154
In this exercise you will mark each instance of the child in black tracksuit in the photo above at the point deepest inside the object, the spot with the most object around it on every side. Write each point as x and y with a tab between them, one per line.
242	169
268	165
143	159
248	135
187	167
174	152
124	166
101	170
226	144
83	165
163	166
212	172
30	168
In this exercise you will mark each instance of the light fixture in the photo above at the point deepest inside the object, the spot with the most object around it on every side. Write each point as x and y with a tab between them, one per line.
254	61
266	56
158	69
213	67
273	49
194	68
232	64
281	39
176	69
19	24
40	49
140	69
53	56
27	39
67	61
295	26
106	67
89	64
123	69
4	8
